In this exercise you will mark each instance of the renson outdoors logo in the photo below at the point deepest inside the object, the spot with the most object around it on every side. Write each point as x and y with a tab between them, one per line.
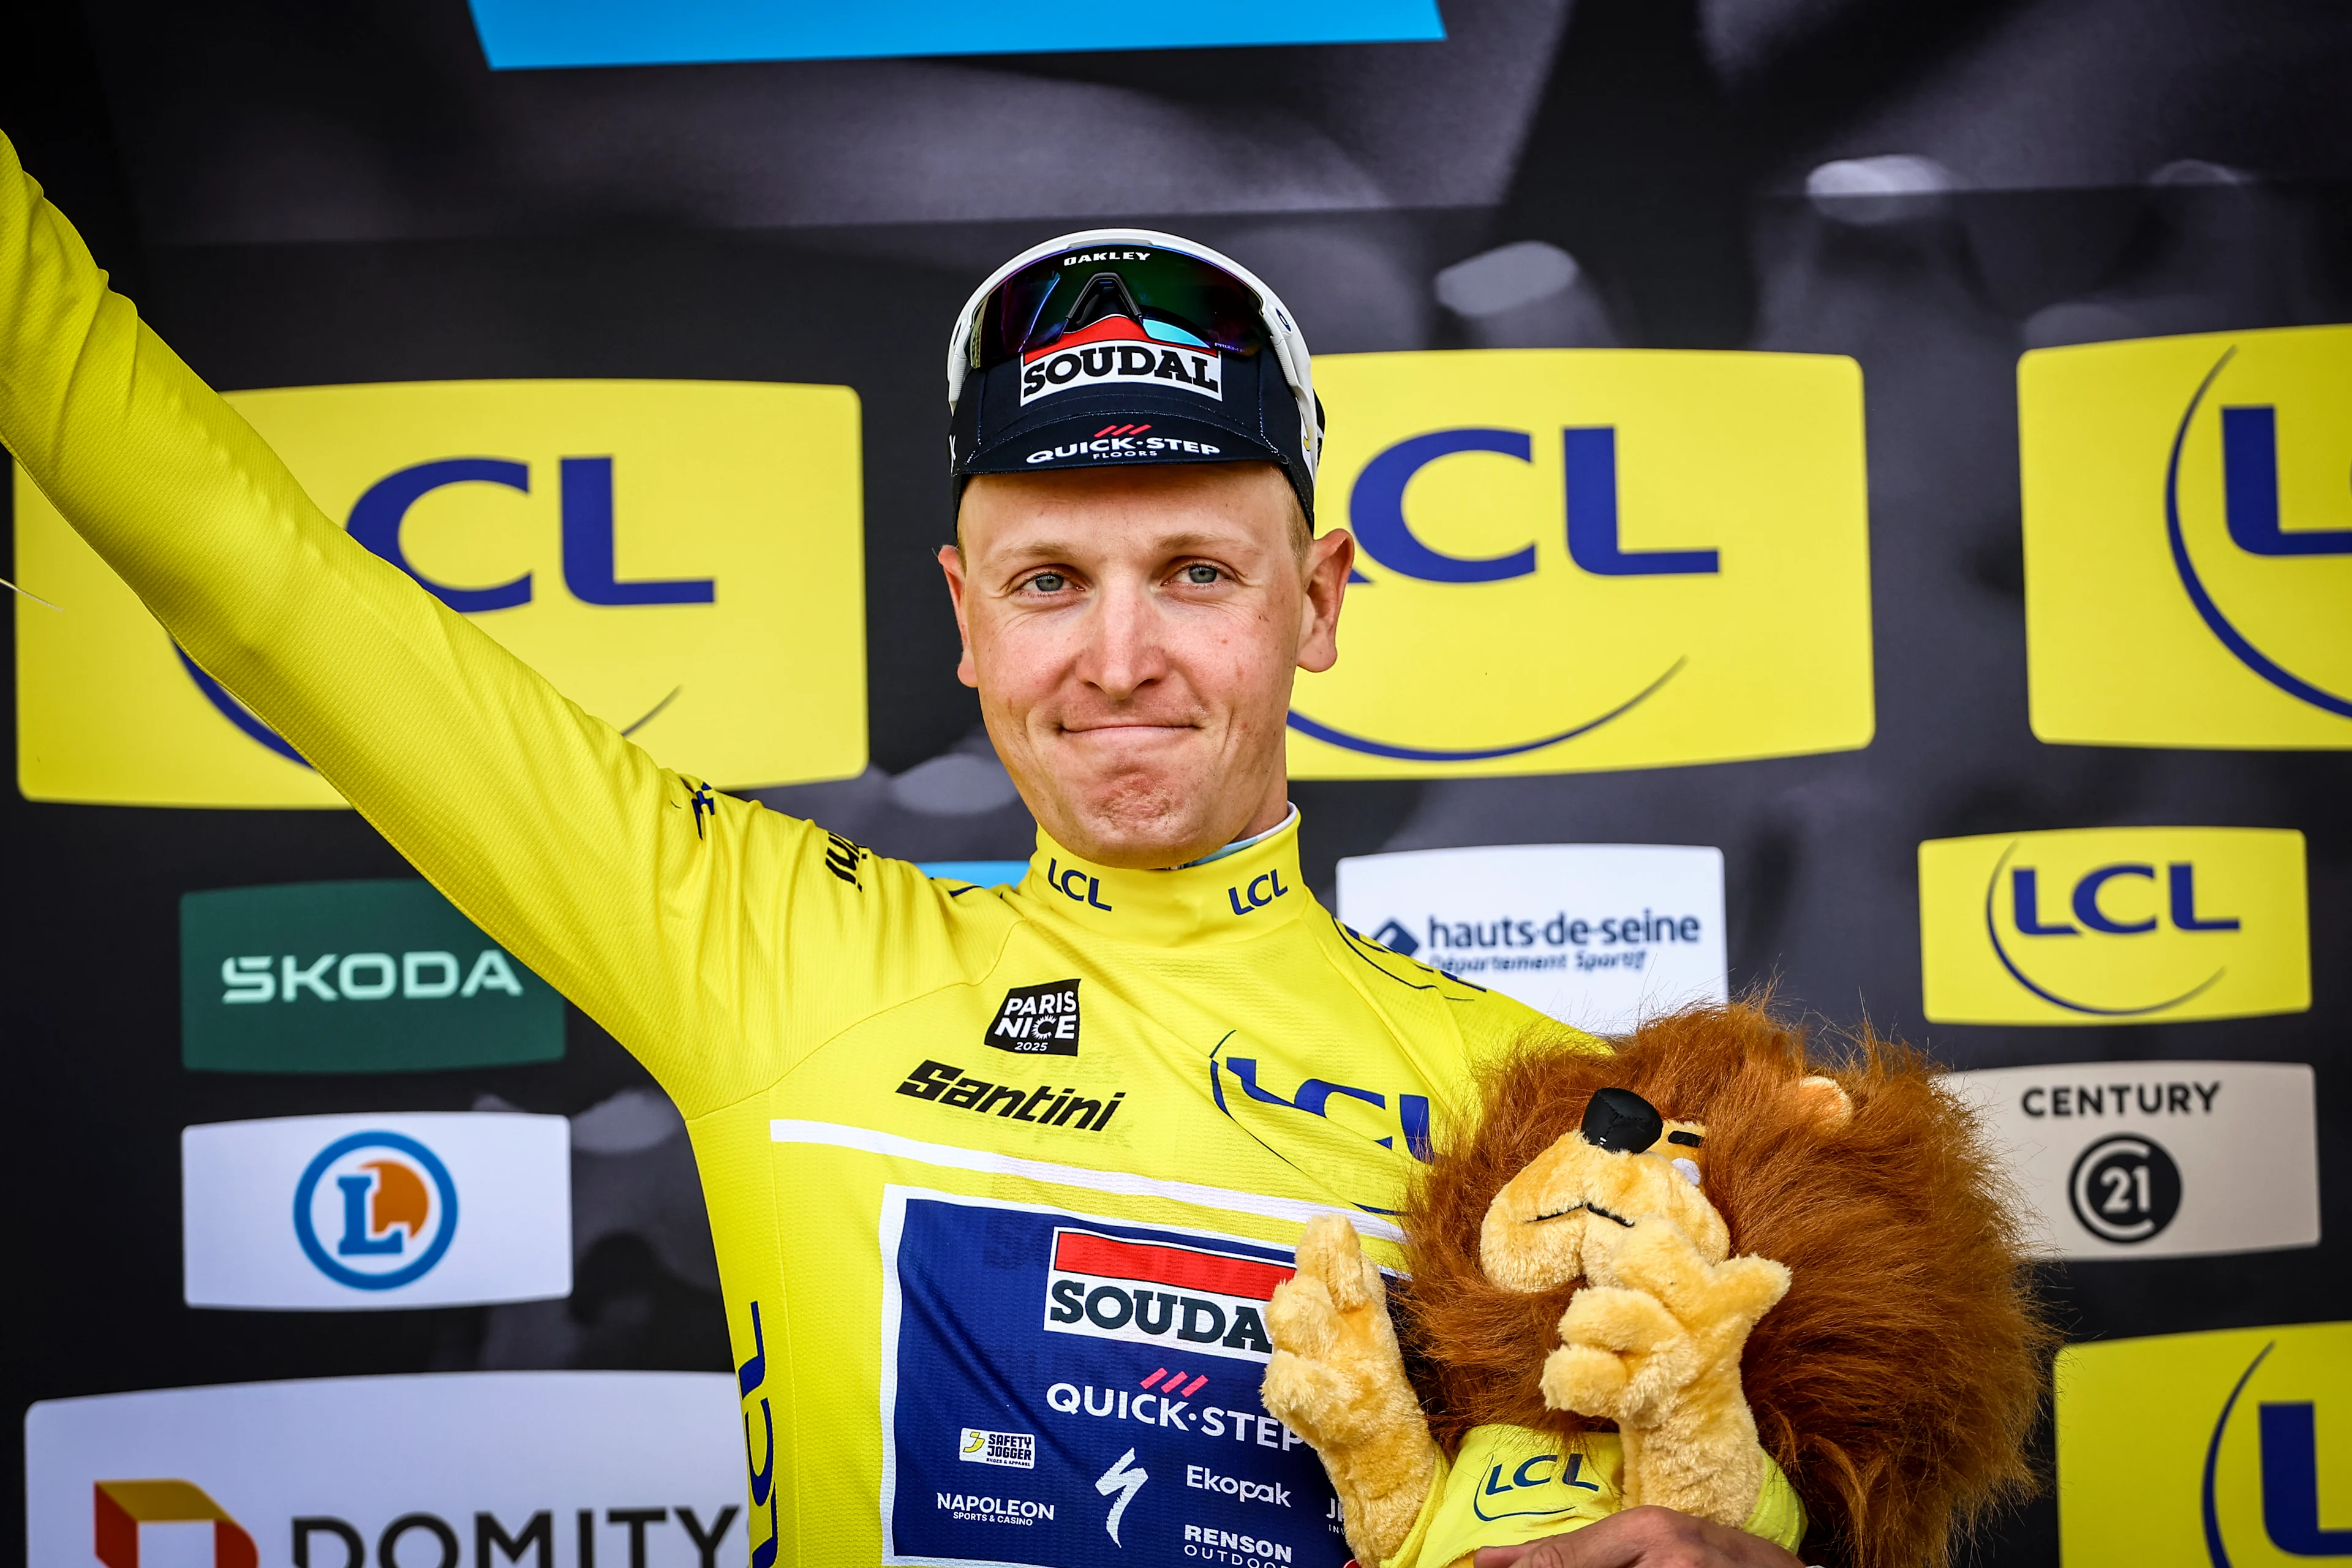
681	559
2189	539
2113	925
1581	559
364	976
2205	1450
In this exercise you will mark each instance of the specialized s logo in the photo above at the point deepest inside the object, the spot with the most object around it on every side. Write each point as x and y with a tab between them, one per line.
680	558
2113	925
1699	518
2207	1450
2189	539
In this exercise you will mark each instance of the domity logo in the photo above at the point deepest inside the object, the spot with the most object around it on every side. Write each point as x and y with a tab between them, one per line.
375	1210
120	1507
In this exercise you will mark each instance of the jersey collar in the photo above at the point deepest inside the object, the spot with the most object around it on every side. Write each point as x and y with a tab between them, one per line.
1230	898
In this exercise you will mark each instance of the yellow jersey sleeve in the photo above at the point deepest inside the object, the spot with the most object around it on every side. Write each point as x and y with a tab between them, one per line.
671	915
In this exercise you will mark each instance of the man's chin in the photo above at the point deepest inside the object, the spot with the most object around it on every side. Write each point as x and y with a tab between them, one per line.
1142	823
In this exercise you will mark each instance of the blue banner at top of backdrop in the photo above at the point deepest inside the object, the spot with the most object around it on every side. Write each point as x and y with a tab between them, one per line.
526	34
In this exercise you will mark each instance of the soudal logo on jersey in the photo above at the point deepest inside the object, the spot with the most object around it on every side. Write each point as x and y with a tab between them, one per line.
2189	539
681	559
374	977
944	1084
1701	519
1118	349
1181	1297
2113	925
1037	1020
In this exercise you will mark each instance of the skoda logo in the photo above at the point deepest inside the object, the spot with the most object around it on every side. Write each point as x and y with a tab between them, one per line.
375	1211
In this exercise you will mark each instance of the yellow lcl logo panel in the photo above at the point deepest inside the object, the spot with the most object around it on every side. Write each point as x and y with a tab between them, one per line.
682	559
1582	559
2189	539
2113	925
2230	1449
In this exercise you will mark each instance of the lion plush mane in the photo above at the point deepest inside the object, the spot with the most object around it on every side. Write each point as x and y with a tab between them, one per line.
1897	1383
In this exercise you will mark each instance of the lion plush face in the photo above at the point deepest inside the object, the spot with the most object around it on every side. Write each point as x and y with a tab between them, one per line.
1563	1217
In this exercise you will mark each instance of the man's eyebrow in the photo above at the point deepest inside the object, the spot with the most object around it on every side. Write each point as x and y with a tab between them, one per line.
1031	550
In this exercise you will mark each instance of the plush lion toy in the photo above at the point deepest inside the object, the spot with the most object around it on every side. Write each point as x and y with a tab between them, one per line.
1794	1289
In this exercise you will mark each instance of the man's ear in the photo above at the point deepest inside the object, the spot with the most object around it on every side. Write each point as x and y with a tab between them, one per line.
1329	559
1827	1100
951	567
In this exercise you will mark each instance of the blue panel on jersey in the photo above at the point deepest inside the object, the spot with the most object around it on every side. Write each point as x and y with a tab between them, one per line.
1072	1392
520	35
986	873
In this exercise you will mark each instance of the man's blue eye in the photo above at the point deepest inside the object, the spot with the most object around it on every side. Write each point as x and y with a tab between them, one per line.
1046	582
1201	576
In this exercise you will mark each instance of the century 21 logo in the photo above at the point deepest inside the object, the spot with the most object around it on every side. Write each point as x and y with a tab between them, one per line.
683	560
2189	539
2113	925
1583	558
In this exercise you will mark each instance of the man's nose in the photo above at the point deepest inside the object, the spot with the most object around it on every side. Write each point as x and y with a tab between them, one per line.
1127	652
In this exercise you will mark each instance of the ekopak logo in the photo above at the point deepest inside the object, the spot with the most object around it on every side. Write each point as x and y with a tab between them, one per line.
2189	539
681	559
376	1207
1582	559
2113	925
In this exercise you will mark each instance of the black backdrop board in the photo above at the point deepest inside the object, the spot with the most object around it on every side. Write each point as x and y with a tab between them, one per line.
297	197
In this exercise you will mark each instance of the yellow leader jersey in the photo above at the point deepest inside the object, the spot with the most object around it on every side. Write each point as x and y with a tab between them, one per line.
1001	1181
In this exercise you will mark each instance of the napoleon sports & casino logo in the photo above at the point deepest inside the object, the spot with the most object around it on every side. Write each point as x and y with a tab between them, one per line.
2189	539
2208	1450
2113	925
1587	559
683	559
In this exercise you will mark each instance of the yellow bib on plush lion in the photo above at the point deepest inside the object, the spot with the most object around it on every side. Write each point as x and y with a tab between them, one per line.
1674	1240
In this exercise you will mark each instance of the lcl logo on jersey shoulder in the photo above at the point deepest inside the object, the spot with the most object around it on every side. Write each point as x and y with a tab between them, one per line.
2189	539
2113	925
682	559
1037	1020
1700	517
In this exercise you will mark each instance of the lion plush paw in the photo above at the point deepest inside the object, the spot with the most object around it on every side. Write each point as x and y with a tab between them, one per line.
1337	1378
1622	1356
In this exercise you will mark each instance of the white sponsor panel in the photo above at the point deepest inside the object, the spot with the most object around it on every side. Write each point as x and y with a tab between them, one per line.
638	1467
372	1212
1598	936
2156	1158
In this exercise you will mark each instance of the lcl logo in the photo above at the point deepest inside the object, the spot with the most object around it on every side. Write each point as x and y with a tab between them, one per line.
377	519
2089	905
2250	509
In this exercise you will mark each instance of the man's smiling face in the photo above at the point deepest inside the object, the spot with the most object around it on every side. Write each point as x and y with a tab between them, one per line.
1133	633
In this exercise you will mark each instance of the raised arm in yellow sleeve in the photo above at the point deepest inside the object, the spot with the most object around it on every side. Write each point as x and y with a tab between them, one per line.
662	910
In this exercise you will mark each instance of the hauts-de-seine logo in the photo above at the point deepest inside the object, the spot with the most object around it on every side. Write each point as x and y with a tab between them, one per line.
682	559
2189	539
2113	925
2208	1450
1581	559
375	1210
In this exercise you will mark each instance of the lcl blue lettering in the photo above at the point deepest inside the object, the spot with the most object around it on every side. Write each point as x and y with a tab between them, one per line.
356	1242
587	491
2180	879
1376	510
2087	900
1519	1477
1067	884
2250	489
2291	1485
748	1378
1262	890
376	518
